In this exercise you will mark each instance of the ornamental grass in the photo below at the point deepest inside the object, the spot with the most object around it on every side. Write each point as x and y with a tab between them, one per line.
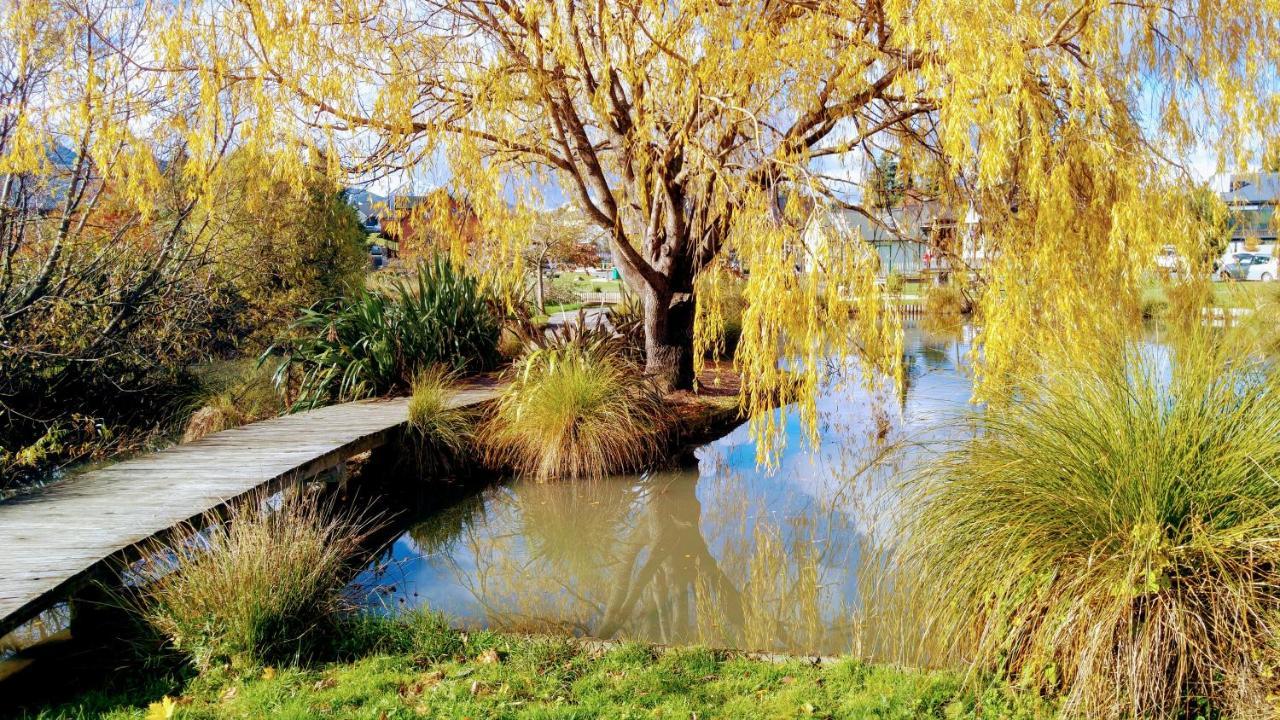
575	410
257	583
1112	535
440	430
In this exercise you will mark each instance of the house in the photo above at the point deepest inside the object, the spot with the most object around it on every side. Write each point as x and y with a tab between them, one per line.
415	221
1251	199
917	237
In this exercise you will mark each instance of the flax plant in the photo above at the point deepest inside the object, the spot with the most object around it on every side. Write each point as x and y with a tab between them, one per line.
375	343
1113	536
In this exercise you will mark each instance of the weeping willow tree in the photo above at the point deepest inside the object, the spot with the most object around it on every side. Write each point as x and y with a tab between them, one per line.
703	134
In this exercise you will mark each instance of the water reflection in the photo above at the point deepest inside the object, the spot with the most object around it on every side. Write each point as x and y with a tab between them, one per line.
725	554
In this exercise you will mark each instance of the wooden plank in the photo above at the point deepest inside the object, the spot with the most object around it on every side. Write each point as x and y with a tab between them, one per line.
57	538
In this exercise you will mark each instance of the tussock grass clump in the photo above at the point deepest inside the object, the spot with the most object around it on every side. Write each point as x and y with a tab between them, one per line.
233	394
253	585
440	430
220	414
1114	535
578	410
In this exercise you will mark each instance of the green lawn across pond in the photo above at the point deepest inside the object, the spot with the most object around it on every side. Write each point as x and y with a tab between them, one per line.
1244	294
578	283
440	673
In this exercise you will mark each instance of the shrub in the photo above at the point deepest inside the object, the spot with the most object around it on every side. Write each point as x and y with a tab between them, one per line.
375	343
575	410
894	283
1154	302
251	586
440	430
554	293
317	246
1115	534
946	299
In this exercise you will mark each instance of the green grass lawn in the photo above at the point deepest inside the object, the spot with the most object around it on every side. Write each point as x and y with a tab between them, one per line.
434	672
542	318
1244	294
1225	295
583	283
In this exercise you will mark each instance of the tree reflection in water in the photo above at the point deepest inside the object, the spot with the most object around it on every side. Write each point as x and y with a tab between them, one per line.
726	554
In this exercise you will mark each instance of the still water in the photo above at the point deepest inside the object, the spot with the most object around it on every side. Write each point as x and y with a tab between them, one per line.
723	553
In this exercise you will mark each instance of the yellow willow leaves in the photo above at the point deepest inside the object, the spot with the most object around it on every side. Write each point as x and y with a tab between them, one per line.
1066	126
814	303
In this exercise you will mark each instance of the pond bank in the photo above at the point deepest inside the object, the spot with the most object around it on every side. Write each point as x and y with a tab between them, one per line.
418	667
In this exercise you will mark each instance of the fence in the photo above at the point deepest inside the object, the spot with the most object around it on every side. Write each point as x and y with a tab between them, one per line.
601	298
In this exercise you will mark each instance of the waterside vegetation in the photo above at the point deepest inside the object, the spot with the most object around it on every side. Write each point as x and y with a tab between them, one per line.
1111	538
261	582
439	432
577	409
376	342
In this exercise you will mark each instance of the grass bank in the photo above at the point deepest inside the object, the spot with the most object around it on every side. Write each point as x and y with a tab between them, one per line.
418	667
1156	300
577	283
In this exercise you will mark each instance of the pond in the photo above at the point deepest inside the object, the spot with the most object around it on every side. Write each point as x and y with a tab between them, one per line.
724	553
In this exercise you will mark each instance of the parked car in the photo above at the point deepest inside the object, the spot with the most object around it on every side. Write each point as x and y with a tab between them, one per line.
1249	266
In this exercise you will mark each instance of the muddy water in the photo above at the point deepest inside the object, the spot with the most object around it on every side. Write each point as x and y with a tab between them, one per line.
725	553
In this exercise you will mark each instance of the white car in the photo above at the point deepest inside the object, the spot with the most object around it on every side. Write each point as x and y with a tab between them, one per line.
1249	266
1169	262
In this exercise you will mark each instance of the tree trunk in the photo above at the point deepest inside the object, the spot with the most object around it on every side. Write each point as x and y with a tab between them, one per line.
668	338
542	307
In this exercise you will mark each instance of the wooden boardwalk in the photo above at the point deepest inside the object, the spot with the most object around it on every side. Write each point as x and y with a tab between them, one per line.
54	540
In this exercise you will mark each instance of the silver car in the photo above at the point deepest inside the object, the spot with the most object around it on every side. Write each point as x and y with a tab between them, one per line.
1249	266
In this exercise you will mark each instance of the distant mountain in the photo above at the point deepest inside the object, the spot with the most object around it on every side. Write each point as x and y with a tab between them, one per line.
366	203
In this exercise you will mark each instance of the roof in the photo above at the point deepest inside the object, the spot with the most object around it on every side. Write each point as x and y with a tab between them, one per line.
1260	188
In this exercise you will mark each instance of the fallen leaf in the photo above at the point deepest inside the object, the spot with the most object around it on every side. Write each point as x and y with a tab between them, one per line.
162	710
489	657
324	683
